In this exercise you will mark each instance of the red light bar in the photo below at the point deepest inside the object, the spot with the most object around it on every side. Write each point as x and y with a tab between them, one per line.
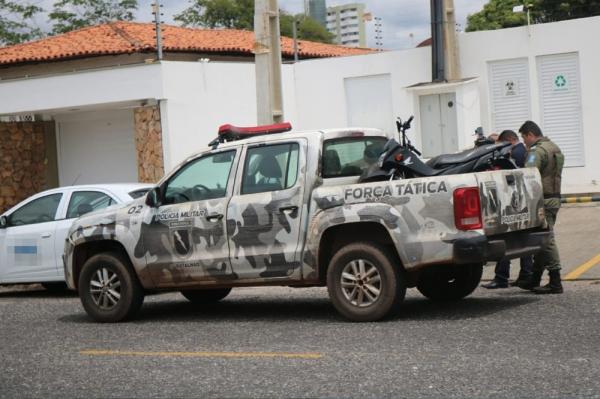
231	133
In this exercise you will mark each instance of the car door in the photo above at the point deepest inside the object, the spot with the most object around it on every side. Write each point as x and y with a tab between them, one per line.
264	215
186	240
79	202
28	253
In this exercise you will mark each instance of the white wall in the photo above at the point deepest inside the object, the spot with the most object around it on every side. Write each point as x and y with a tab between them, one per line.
320	93
80	89
580	35
200	97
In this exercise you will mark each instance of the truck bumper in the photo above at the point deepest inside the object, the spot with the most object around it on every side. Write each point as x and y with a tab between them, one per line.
503	246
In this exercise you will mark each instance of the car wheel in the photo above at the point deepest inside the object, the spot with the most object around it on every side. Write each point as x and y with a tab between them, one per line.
449	283
363	282
109	289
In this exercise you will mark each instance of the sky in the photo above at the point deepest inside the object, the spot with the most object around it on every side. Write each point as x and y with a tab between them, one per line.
405	22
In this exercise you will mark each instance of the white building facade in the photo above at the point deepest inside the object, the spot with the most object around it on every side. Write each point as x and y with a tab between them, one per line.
546	73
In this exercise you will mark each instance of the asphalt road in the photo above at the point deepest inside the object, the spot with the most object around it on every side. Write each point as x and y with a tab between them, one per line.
283	342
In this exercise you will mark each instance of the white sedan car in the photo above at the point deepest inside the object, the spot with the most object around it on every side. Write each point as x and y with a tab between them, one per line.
33	232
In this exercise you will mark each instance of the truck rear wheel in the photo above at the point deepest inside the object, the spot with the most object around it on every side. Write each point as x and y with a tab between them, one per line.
109	290
449	283
208	295
363	282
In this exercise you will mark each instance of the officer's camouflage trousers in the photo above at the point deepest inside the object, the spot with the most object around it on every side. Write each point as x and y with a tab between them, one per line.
548	256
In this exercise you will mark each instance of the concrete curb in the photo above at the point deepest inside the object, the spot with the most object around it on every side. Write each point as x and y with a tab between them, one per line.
573	199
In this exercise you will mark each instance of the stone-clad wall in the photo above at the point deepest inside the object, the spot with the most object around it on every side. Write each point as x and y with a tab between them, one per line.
148	143
22	162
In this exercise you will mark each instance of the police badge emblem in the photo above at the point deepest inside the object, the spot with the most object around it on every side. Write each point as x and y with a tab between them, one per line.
181	240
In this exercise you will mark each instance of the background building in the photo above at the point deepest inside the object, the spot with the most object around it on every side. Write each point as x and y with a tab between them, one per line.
316	9
347	23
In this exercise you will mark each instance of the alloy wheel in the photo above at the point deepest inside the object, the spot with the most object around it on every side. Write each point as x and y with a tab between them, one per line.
105	288
361	283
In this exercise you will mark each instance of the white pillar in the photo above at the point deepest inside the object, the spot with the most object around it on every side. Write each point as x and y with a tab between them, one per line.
450	43
267	54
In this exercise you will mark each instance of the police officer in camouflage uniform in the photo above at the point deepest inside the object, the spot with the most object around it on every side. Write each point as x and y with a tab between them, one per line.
547	157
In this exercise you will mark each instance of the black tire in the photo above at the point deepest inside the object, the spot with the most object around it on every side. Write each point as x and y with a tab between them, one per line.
449	282
129	288
208	295
345	294
55	286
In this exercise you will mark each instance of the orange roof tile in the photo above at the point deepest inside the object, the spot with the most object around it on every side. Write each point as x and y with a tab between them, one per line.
133	37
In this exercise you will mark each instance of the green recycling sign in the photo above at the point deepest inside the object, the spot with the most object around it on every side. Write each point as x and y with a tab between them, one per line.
560	82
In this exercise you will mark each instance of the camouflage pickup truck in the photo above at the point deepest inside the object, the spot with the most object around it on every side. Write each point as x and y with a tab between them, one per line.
286	209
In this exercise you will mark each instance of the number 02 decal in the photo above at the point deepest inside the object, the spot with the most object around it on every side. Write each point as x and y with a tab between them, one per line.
135	209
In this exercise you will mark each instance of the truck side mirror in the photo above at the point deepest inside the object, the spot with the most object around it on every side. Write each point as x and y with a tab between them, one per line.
3	222
153	197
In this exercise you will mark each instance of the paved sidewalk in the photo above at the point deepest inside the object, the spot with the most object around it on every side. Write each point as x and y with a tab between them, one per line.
578	237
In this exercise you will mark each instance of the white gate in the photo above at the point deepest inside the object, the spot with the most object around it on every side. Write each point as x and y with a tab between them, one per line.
438	124
509	93
560	104
96	147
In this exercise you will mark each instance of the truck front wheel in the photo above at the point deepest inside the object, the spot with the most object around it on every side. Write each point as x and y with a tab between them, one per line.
109	290
448	282
363	282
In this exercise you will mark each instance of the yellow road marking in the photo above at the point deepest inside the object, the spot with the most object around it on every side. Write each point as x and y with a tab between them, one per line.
583	268
204	354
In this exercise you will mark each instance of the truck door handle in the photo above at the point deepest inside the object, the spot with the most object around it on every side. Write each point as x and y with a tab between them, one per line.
510	179
46	235
214	218
288	209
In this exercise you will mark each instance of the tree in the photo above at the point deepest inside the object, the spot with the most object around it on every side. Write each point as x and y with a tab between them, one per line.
239	14
230	14
497	14
68	15
16	22
559	10
307	28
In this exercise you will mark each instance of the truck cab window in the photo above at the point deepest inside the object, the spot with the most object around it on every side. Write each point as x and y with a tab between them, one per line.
350	156
270	168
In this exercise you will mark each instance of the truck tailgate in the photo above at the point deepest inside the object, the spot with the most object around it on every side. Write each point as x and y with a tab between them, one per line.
511	200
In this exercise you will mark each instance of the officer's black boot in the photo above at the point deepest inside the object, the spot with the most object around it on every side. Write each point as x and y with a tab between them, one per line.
553	287
532	281
522	279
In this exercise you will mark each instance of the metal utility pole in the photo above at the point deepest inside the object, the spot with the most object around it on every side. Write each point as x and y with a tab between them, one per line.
437	42
295	35
444	52
267	55
156	6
